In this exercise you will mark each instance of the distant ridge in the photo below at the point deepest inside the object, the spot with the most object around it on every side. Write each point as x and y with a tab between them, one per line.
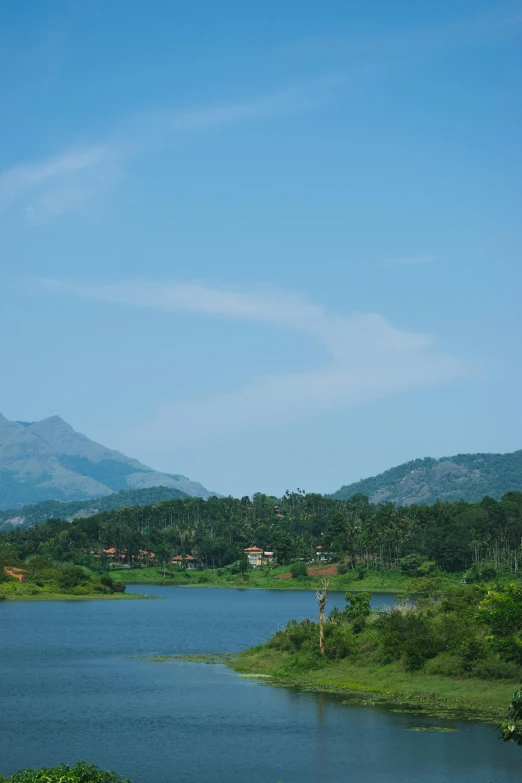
49	460
462	477
81	509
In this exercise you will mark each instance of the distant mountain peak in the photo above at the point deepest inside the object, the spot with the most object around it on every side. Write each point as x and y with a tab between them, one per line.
462	477
49	460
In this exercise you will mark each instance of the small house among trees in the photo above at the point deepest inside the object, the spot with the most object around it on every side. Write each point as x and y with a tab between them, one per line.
256	557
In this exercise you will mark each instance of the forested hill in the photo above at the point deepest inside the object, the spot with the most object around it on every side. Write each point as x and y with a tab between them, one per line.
447	536
463	477
47	509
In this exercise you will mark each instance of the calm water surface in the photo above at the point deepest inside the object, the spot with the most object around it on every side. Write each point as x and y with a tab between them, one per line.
69	689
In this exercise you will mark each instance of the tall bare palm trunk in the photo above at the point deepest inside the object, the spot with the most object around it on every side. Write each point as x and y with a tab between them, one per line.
322	597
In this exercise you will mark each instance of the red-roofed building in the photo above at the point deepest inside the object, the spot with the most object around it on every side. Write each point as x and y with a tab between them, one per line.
187	561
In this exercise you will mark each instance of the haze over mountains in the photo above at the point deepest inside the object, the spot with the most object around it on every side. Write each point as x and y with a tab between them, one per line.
49	460
462	477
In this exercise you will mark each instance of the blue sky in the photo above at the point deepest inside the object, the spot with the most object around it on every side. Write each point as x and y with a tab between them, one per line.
265	245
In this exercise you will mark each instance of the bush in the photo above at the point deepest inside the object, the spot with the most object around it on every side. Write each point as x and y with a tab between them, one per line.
494	669
445	665
358	609
425	587
410	564
295	636
479	572
81	773
119	587
340	641
299	570
471	651
71	577
408	635
81	590
426	568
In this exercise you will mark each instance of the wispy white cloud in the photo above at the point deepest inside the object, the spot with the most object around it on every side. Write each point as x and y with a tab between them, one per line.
366	358
62	183
30	178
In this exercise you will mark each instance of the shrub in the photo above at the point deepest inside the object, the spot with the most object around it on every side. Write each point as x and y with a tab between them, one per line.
71	577
479	572
410	635
445	665
80	590
471	651
119	587
299	570
358	609
410	564
340	641
425	587
81	773
426	568
296	635
493	669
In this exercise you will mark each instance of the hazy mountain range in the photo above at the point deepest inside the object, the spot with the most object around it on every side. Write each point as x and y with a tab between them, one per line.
49	460
463	477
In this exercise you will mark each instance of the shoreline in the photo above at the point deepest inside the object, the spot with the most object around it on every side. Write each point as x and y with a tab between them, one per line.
67	597
293	588
488	702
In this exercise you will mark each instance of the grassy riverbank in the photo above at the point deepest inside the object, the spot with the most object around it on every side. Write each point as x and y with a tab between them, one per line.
457	649
393	582
388	685
31	593
41	580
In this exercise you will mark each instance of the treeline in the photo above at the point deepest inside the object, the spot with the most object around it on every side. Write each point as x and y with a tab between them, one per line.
58	509
451	536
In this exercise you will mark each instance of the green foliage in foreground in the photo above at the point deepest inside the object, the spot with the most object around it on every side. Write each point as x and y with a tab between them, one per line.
470	632
511	730
80	773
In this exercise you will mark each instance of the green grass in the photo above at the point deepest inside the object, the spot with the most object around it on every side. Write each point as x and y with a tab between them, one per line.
370	683
390	582
12	591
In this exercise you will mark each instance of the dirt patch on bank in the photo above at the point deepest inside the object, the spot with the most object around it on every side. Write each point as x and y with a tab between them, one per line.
322	570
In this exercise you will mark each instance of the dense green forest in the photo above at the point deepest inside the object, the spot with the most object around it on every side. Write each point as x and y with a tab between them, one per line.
57	509
462	477
451	537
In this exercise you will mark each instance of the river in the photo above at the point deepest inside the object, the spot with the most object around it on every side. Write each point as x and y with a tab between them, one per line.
71	689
